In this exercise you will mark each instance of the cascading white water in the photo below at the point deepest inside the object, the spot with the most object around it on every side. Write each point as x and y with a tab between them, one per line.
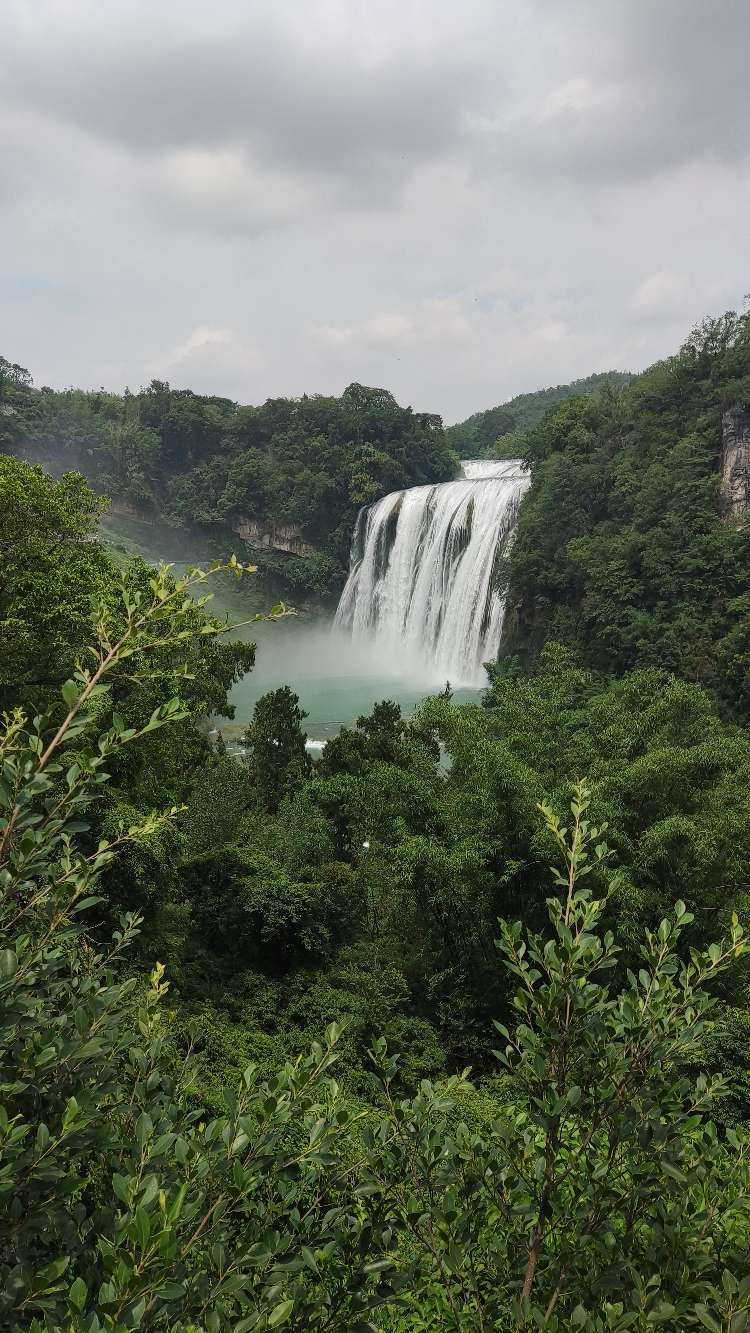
421	584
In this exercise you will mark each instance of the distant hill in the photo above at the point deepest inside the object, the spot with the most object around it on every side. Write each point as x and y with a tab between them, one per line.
478	433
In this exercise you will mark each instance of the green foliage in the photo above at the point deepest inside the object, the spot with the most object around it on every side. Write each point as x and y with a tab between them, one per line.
303	466
277	760
219	800
621	549
54	573
15	386
51	575
120	1206
248	910
600	1197
312	575
487	434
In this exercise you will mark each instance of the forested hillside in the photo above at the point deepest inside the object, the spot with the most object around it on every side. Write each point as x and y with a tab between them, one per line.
623	549
483	432
298	468
242	992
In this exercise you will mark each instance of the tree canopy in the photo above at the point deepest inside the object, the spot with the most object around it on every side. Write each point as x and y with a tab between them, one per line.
301	465
622	549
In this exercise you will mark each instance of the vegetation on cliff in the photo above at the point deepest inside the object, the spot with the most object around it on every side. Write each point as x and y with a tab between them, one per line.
301	465
622	550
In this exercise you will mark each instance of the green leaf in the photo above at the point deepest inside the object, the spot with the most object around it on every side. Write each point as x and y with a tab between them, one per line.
69	693
144	1128
280	1313
142	1226
8	964
71	1113
172	1291
309	1259
707	1319
77	1294
137	1312
121	1187
672	1171
85	903
53	1271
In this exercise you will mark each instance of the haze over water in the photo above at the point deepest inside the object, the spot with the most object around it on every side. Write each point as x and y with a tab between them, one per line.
336	678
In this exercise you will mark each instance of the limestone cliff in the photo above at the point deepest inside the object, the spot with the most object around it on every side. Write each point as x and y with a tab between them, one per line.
124	509
735	461
270	536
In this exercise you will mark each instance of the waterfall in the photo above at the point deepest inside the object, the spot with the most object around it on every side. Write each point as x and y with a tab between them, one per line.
421	584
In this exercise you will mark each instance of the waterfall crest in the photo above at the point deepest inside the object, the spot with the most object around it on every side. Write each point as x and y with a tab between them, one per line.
421	584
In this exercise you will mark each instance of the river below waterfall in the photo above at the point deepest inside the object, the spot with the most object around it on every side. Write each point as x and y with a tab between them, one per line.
423	604
336	679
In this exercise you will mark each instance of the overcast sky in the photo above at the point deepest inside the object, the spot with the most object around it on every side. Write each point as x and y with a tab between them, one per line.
458	200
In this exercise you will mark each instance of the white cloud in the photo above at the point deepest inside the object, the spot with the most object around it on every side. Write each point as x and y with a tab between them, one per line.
434	321
552	331
660	293
221	191
208	357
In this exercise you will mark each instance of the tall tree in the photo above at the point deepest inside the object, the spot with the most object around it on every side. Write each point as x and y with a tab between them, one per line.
277	759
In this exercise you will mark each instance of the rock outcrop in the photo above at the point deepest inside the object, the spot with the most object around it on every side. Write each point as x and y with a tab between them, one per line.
281	537
124	509
735	461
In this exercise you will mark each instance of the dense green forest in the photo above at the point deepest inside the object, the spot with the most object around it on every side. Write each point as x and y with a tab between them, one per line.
506	937
480	434
622	550
303	465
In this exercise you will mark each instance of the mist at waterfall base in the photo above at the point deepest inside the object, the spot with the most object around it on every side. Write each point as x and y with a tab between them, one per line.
337	679
420	607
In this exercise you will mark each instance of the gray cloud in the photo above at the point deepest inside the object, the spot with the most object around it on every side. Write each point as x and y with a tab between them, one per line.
255	87
457	201
628	90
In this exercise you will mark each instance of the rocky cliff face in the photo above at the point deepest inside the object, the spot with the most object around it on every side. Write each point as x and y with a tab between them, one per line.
271	537
735	461
124	509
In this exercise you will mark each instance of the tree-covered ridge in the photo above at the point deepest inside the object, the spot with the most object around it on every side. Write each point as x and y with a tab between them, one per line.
483	433
621	549
303	464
